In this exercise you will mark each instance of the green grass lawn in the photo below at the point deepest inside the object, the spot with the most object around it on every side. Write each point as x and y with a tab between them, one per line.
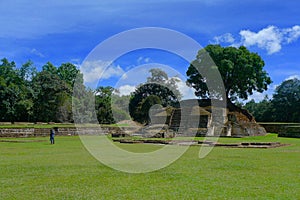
38	170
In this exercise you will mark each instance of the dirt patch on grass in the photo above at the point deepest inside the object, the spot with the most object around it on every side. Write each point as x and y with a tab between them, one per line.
263	145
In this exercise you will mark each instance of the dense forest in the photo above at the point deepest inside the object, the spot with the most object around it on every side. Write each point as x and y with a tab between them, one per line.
283	107
29	95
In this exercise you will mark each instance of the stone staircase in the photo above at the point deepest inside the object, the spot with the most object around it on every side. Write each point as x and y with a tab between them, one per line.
182	119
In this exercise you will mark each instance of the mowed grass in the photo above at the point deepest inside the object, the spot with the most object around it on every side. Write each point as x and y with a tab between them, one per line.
38	170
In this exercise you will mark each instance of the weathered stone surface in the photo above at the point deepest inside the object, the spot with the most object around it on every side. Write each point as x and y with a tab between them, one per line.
16	132
157	131
205	120
242	126
34	132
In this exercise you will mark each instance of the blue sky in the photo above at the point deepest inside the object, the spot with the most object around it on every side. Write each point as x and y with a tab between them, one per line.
67	31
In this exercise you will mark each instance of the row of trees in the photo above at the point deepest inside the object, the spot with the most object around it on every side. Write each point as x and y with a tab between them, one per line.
283	107
29	95
46	96
241	72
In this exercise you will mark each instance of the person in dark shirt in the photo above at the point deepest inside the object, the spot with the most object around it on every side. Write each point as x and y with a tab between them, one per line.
52	133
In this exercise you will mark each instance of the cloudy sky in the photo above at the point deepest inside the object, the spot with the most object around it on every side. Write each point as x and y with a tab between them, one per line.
67	31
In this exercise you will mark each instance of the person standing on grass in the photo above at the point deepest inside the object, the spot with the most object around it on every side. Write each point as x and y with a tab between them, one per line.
52	133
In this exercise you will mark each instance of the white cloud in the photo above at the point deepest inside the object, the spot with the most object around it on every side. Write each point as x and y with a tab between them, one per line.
292	34
147	60
293	77
37	53
270	38
257	96
126	89
225	38
187	92
95	70
143	60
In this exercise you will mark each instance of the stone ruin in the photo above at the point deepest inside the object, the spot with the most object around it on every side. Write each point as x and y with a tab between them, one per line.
203	120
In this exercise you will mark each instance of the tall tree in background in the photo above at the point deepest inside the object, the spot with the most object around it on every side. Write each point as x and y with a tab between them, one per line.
49	67
103	105
12	91
158	87
286	101
262	111
68	73
48	88
25	107
158	76
242	73
28	95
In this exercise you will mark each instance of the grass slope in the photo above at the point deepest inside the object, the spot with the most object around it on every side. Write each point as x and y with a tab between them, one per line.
66	170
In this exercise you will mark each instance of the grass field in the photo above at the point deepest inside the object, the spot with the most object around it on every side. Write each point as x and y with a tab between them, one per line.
38	170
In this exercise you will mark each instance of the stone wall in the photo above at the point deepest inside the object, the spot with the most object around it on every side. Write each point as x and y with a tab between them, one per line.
17	132
290	131
276	127
42	132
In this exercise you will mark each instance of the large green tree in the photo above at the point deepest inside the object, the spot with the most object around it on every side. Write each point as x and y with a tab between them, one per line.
103	105
158	89
28	95
158	76
241	71
286	101
68	72
12	91
49	91
24	109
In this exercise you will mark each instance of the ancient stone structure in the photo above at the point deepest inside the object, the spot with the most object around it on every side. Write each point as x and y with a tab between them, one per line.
42	132
206	120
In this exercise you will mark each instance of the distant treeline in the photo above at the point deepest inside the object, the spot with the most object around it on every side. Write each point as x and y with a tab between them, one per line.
283	107
29	95
48	95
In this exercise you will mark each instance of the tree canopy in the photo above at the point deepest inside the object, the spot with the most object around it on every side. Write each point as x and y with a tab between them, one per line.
158	89
286	101
27	94
242	72
262	111
12	91
283	107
